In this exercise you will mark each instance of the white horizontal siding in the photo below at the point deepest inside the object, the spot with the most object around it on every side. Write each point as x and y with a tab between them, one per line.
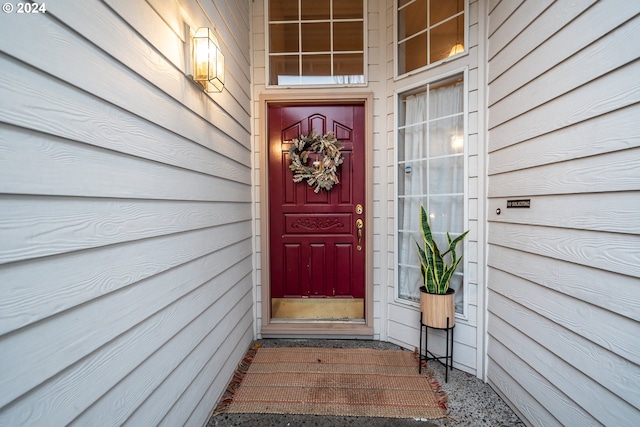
114	351
564	282
540	402
597	287
153	387
38	226
610	132
217	368
513	391
95	75
524	33
607	93
125	215
34	162
619	375
76	115
610	252
582	67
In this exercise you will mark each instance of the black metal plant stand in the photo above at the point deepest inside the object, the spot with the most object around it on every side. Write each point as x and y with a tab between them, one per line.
448	358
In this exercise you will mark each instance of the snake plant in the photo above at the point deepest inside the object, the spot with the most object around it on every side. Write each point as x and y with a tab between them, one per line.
436	272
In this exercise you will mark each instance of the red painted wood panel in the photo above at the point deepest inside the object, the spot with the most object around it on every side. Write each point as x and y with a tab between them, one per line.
318	277
344	271
291	263
316	231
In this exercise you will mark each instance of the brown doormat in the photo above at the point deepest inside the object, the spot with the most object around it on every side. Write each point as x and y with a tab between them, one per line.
325	381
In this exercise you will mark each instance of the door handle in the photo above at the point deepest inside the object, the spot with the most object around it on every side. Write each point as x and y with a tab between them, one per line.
359	226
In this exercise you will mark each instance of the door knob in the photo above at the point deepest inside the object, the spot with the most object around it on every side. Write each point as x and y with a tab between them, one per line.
359	226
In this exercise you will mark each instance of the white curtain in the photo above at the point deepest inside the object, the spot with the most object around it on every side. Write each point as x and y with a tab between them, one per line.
431	169
412	179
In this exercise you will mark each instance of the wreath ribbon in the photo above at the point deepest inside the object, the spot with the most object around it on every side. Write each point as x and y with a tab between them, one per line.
324	176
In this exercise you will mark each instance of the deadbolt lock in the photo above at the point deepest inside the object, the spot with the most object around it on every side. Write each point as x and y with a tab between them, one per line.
359	209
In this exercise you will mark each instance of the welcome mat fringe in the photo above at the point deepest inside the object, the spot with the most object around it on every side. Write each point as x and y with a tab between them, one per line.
236	380
443	398
355	382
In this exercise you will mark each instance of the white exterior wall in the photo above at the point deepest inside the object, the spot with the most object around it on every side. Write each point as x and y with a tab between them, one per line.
125	214
564	275
404	318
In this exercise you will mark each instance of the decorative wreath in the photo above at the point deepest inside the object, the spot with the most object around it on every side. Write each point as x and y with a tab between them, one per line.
322	174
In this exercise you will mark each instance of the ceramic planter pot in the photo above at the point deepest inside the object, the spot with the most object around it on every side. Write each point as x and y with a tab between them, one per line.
436	308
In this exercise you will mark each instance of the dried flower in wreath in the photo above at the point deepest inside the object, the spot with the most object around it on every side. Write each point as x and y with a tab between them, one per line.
325	175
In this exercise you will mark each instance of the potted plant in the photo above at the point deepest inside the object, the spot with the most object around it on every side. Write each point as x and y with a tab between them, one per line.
437	299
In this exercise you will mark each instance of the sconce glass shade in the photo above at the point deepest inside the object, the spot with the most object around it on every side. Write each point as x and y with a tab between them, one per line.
208	61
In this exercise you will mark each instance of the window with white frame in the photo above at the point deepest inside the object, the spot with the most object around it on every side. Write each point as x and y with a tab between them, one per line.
430	172
428	31
316	42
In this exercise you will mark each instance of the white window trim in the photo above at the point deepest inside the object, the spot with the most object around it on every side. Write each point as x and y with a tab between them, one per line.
396	75
365	41
464	316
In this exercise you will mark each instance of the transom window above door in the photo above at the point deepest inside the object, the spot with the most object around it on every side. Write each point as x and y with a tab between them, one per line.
428	31
316	42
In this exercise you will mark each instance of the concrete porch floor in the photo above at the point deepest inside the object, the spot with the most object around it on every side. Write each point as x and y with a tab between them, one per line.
471	402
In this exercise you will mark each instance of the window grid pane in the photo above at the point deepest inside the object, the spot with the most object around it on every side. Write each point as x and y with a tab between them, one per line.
316	36
284	38
428	31
327	36
314	9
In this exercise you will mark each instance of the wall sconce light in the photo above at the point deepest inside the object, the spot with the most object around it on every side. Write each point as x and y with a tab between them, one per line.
208	61
456	49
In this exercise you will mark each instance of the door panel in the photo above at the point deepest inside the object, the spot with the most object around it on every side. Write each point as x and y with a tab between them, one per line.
315	249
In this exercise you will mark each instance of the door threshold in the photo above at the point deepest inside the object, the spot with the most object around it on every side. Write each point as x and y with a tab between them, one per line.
317	308
351	321
313	329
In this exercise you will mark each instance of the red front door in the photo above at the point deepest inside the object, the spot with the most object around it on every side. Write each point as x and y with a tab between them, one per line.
317	240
